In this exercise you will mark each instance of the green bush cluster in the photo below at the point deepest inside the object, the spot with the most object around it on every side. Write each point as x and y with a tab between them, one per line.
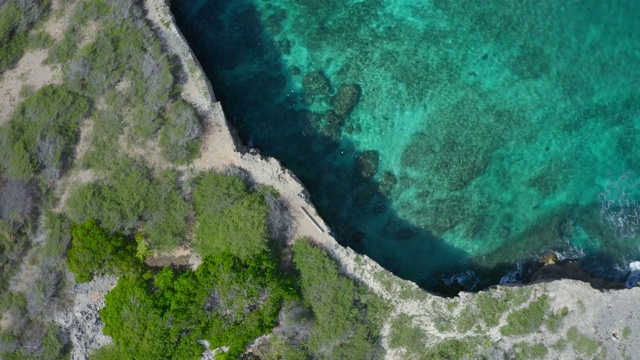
42	132
125	51
180	134
228	301
347	317
134	198
16	18
95	252
230	217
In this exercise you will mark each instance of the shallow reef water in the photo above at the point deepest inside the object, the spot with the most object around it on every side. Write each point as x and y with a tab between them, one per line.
454	142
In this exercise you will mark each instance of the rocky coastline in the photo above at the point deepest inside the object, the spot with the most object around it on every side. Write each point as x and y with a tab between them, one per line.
600	315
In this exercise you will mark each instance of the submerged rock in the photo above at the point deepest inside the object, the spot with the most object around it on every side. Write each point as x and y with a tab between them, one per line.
334	119
345	99
387	182
332	132
316	83
363	194
367	163
294	70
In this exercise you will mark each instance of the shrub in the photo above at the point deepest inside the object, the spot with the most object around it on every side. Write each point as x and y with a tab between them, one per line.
347	317
167	213
227	301
16	18
178	137
42	133
229	217
94	251
131	197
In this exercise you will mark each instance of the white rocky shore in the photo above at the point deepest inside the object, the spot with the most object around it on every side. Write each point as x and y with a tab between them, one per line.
594	323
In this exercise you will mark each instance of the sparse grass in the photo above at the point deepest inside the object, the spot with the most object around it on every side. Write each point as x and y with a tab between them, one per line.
406	335
455	348
442	320
524	351
560	345
491	308
626	333
467	319
527	320
584	345
554	320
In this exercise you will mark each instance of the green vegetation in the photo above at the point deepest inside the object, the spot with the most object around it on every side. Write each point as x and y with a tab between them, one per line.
31	335
16	18
554	320
345	319
94	251
179	136
230	217
467	319
133	197
455	348
524	351
527	320
584	345
41	135
227	301
30	338
626	333
405	335
490	308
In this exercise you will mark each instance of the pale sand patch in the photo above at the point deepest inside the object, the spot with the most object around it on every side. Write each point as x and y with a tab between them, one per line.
5	320
30	71
59	18
84	143
88	33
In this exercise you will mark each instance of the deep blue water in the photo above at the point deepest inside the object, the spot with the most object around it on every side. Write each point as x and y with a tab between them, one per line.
484	133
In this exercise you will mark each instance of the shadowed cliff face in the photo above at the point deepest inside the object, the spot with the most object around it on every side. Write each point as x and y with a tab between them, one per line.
305	120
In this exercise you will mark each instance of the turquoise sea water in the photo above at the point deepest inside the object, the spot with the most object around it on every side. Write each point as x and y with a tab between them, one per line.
485	134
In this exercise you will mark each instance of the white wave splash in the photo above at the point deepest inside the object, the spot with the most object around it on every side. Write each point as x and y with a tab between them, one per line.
634	274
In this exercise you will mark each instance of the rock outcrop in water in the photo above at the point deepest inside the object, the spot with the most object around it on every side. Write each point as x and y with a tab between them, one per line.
367	163
346	99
